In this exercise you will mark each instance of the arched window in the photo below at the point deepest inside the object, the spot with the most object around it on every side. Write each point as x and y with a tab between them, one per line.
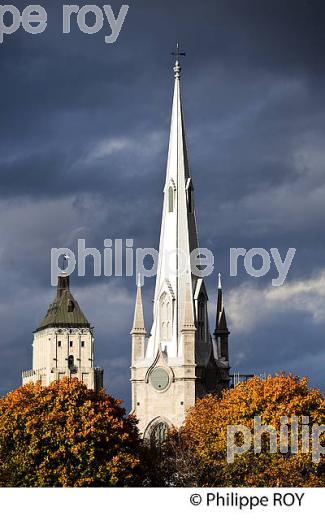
71	365
202	318
170	199
159	433
165	317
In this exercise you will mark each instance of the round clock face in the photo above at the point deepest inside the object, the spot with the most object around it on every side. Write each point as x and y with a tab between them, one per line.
159	379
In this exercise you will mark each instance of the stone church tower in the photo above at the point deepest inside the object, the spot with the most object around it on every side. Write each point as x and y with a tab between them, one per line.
179	362
63	343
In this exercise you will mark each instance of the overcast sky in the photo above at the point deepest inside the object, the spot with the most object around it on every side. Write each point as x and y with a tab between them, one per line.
83	147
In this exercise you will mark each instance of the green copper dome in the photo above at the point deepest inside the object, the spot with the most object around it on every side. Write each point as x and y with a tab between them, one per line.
64	311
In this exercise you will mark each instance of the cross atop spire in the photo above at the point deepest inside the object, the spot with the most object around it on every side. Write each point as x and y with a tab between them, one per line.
178	53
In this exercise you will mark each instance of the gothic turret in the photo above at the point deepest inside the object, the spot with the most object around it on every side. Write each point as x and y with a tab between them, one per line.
138	331
221	331
63	343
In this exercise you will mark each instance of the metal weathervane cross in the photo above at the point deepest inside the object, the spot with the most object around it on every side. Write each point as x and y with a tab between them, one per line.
178	53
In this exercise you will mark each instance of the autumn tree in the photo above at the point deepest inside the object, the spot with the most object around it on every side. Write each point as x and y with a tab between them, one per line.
66	435
197	454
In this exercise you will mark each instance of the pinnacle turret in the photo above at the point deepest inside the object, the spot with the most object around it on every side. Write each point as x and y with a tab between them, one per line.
221	322
138	321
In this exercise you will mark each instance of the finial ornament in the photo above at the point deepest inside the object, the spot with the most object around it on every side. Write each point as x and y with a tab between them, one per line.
139	280
177	68
219	281
65	262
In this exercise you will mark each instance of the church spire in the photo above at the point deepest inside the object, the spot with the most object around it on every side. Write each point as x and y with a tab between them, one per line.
178	362
178	236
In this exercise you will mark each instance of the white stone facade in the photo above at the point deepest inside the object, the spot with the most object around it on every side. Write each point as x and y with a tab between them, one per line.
51	350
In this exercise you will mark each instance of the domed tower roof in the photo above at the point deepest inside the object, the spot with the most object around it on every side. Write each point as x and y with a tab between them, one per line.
65	310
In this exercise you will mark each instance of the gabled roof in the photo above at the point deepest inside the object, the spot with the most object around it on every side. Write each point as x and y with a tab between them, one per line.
65	310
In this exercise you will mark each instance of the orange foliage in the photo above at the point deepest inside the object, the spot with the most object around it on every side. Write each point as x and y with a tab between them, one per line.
205	432
66	435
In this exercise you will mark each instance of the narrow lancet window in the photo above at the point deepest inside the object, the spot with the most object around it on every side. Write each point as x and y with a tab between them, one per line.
170	199
165	318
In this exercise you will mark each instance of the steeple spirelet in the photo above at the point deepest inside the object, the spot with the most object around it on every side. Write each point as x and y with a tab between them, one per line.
221	331
138	321
221	322
138	331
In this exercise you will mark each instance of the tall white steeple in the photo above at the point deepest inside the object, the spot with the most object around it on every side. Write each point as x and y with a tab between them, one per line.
177	363
178	237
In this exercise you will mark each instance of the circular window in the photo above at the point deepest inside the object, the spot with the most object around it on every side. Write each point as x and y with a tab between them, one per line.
159	379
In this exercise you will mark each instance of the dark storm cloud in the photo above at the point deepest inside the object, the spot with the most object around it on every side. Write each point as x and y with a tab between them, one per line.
83	143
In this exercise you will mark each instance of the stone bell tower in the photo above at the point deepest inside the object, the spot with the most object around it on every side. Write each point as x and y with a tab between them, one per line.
63	343
178	362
